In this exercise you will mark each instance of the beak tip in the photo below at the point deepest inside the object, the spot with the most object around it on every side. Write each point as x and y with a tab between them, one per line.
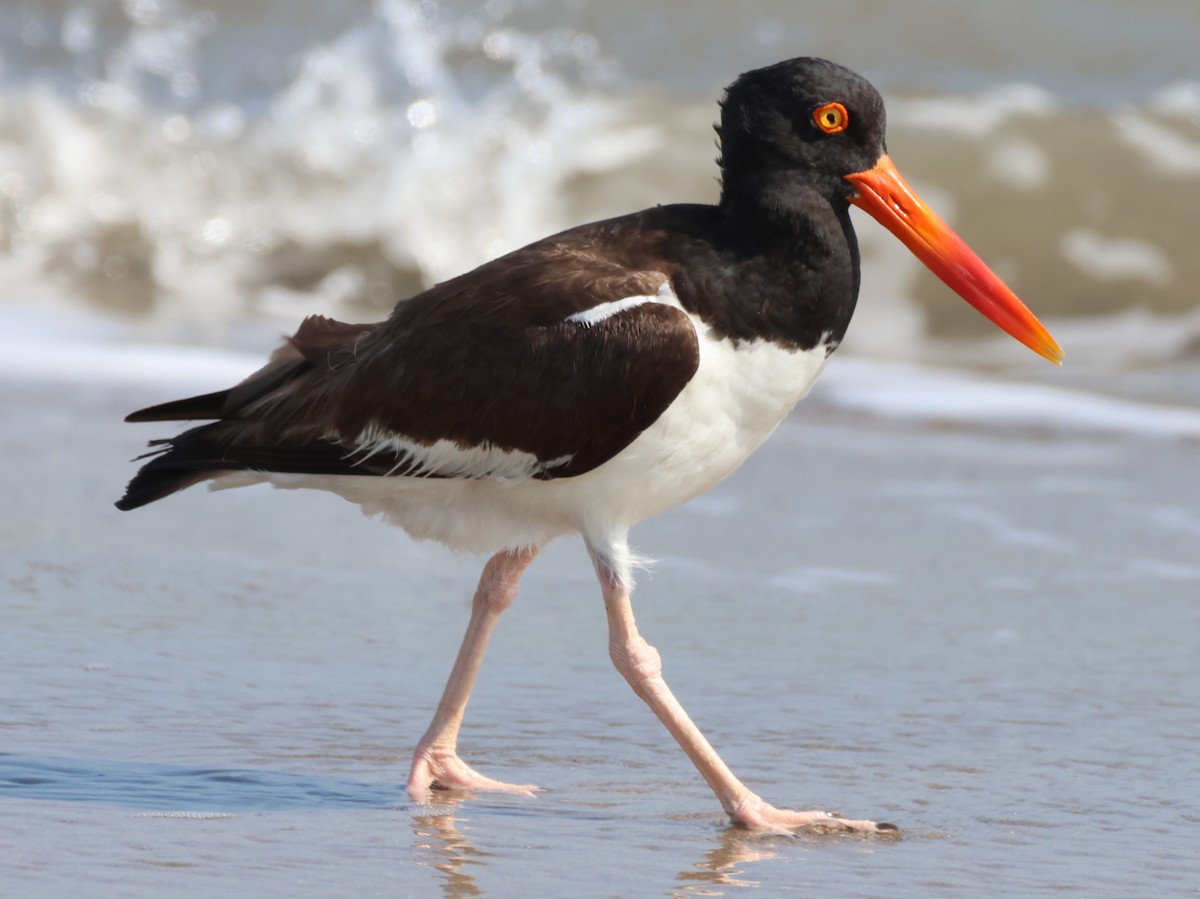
1053	352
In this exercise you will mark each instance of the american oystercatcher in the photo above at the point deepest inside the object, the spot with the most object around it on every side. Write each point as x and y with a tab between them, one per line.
592	379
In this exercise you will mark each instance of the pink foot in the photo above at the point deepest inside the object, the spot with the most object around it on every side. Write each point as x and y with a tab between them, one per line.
761	816
441	769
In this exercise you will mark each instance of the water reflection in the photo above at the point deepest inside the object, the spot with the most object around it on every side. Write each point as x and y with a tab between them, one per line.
443	846
722	866
449	852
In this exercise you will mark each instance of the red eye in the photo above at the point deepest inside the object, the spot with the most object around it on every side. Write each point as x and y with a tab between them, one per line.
831	118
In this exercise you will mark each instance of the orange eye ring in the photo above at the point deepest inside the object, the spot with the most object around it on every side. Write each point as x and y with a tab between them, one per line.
832	118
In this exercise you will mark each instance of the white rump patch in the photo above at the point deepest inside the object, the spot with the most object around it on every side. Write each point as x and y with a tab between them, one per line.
445	458
597	314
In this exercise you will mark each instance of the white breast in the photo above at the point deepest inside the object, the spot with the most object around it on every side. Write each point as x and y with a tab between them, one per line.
739	395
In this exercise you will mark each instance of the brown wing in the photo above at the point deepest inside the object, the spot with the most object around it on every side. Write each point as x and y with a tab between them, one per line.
487	361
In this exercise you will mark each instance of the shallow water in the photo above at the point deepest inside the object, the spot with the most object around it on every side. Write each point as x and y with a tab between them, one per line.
986	636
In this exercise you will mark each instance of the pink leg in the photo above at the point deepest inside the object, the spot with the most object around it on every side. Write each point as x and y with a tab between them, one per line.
436	764
641	665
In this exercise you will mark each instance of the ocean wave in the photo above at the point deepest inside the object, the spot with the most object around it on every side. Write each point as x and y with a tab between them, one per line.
153	162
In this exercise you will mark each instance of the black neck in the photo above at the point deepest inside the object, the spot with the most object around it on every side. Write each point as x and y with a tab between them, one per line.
787	268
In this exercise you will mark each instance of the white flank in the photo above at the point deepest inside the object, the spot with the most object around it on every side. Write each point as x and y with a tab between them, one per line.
446	459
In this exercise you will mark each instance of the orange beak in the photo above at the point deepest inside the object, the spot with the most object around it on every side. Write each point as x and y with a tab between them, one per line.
884	193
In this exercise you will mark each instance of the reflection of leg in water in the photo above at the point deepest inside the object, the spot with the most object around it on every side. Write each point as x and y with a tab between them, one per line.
449	852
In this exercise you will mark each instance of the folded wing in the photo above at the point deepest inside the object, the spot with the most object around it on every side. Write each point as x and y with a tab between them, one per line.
505	374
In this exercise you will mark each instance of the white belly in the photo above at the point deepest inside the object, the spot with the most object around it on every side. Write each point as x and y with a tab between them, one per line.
734	402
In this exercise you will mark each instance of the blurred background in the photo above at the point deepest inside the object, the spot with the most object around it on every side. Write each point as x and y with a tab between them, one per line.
953	594
205	173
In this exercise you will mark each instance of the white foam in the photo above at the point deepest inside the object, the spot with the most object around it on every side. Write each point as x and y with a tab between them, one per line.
975	116
1019	163
1112	258
1165	149
1180	99
381	136
911	393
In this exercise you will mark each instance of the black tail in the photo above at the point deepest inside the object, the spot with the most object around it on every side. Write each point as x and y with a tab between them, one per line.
225	403
231	442
198	454
194	408
175	464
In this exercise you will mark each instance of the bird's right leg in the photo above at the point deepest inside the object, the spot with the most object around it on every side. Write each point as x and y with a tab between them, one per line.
436	764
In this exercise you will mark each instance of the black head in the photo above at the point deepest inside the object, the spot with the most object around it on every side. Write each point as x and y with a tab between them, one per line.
805	119
803	139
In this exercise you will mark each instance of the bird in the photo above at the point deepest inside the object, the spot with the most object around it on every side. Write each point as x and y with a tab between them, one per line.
591	380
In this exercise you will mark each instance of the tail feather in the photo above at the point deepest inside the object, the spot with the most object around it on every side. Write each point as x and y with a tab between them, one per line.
175	464
208	406
148	486
225	404
230	442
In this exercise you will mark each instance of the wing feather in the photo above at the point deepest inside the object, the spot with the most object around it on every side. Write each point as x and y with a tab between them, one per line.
500	373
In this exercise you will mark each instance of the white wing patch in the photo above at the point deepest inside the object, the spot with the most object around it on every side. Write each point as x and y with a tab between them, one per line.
447	459
597	314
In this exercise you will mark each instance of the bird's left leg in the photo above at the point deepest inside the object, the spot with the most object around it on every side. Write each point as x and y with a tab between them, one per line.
436	764
641	666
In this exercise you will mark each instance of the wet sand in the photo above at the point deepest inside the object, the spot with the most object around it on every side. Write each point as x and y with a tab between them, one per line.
987	636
